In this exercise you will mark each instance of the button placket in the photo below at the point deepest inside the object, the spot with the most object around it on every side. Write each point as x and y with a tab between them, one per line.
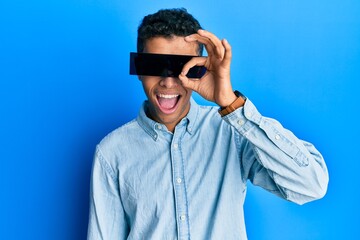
179	185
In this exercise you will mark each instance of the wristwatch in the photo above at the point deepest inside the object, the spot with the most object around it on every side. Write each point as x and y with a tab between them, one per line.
239	102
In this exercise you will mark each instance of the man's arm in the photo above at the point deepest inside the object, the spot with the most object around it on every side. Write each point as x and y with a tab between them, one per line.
107	217
274	158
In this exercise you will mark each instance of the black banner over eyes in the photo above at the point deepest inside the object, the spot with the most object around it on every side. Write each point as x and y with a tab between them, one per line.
164	65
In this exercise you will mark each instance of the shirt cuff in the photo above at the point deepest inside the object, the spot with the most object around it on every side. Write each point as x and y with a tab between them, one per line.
244	118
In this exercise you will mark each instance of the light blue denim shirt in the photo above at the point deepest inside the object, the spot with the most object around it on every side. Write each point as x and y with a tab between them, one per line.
149	183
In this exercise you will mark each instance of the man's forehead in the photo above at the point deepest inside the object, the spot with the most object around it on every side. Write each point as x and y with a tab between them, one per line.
170	45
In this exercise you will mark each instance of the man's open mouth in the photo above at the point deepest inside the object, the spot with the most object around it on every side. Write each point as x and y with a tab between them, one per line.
168	102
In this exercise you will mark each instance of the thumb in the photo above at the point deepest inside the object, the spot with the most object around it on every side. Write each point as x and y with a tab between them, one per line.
192	84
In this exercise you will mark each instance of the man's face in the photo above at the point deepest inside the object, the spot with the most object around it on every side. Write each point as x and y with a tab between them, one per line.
169	101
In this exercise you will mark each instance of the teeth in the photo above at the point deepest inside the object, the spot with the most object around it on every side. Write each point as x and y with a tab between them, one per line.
168	96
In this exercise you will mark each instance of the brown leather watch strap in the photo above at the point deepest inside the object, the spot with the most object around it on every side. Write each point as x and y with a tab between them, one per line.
239	102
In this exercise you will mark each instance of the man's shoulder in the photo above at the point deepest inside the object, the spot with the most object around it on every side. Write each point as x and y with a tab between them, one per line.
208	109
120	135
209	112
208	120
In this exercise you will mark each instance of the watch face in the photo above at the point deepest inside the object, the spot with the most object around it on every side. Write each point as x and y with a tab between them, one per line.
164	65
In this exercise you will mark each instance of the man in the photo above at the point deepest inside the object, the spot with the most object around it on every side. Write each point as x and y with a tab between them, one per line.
179	170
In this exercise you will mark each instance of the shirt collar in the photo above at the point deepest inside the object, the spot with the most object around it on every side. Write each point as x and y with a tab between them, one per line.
152	127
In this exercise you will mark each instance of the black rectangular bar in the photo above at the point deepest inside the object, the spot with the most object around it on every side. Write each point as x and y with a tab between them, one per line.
164	65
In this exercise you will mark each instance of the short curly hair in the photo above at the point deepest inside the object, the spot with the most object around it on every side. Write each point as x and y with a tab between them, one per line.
167	23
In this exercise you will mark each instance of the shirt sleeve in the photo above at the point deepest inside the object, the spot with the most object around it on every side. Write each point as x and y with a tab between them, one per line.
106	217
275	159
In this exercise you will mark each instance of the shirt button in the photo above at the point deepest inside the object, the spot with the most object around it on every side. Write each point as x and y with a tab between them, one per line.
182	217
178	180
176	145
241	122
277	137
158	127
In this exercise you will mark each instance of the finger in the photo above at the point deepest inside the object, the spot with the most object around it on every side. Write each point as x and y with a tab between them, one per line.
216	42
228	52
195	61
192	84
209	46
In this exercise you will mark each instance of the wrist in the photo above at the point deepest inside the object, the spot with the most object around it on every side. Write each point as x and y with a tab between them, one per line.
237	103
227	100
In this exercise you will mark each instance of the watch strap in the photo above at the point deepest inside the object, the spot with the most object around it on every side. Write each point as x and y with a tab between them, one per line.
239	102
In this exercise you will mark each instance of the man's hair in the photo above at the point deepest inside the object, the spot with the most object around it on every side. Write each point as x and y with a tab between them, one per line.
167	23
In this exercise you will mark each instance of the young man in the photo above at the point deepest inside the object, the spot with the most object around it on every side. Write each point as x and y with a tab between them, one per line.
179	170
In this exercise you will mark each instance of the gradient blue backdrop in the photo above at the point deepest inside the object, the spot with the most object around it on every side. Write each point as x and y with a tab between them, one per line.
64	85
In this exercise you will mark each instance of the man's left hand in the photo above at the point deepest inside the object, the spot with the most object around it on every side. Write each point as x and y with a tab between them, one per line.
215	85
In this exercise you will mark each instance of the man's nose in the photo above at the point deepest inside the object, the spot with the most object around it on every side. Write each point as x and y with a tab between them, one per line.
169	82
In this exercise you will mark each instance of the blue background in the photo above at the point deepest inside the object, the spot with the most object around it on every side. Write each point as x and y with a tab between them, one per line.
64	85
